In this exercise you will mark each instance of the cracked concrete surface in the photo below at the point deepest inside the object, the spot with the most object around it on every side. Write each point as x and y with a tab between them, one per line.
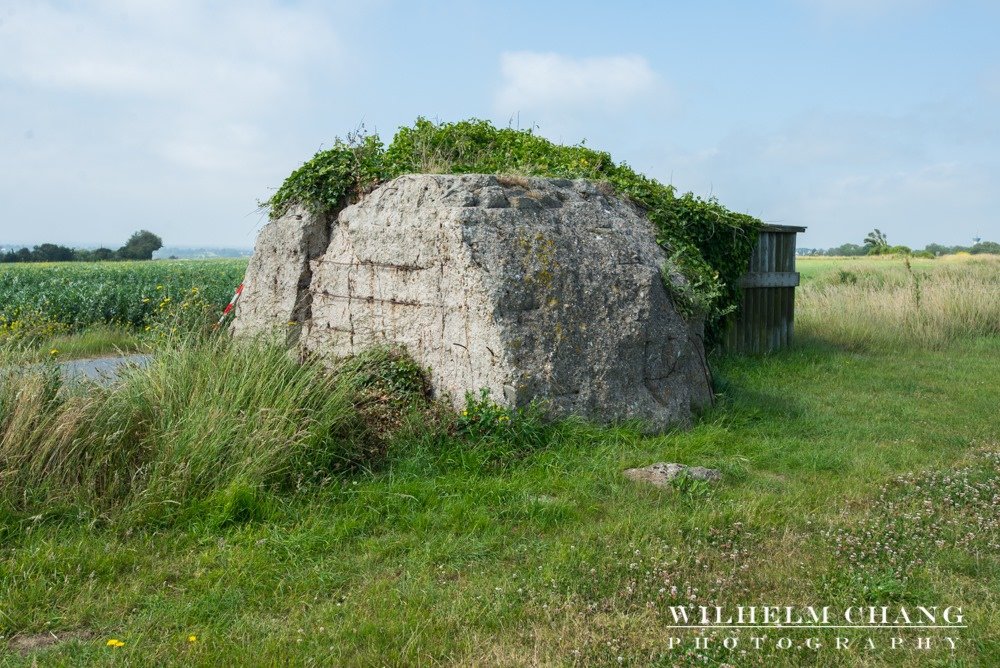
538	289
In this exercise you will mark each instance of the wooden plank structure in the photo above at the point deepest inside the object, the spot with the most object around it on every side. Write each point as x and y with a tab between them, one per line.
766	317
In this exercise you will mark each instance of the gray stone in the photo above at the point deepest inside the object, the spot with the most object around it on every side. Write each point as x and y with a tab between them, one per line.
661	473
276	288
557	296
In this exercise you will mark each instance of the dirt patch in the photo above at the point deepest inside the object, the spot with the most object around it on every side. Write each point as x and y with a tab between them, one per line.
26	644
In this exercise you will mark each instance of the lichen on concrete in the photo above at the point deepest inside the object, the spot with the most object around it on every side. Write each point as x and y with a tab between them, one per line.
543	290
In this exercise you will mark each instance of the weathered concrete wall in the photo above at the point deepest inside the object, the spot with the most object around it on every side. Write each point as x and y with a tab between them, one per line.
276	290
534	288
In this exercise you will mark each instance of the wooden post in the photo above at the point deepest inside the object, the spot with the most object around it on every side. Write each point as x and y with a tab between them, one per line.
765	320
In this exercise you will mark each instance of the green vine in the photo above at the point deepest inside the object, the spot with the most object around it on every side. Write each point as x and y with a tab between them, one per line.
708	244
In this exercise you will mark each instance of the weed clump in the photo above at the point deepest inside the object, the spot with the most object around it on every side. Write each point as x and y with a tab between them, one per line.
504	433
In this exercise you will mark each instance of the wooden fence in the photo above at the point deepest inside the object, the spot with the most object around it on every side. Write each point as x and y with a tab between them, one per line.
765	320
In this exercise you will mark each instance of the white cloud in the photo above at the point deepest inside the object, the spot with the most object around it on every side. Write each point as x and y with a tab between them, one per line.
194	71
551	82
174	113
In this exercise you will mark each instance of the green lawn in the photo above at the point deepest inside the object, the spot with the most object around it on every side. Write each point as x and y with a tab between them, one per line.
862	467
456	556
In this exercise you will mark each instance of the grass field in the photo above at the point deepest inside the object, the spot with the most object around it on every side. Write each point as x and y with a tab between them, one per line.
891	302
861	468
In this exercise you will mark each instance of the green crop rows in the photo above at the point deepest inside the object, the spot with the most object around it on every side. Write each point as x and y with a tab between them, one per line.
77	295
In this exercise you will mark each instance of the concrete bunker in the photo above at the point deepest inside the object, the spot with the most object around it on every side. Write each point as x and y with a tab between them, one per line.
538	289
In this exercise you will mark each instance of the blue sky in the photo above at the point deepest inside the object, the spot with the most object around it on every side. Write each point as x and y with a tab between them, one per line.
178	116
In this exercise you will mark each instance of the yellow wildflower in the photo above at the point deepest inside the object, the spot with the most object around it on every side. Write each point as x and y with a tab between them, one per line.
192	638
114	642
54	351
145	300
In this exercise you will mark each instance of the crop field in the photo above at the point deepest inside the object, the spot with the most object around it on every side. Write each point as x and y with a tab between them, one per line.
226	505
77	295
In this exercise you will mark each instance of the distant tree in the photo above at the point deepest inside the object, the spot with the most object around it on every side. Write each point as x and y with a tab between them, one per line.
876	242
937	249
981	247
51	253
140	246
849	250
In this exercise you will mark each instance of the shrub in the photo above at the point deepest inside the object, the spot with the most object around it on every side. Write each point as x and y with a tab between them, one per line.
846	277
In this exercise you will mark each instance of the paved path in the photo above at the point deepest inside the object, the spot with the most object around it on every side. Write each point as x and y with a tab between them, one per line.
102	369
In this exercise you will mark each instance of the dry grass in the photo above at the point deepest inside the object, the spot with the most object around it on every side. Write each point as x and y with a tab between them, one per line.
514	180
880	303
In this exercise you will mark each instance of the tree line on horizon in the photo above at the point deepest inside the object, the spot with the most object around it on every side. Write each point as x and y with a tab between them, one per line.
140	246
143	243
876	243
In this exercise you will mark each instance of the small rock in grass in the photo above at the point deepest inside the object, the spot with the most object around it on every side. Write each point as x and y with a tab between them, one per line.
661	473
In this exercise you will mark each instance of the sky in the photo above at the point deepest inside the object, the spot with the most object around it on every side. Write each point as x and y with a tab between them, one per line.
179	116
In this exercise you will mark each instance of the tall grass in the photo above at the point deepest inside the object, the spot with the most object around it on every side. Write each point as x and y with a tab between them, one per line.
213	423
891	303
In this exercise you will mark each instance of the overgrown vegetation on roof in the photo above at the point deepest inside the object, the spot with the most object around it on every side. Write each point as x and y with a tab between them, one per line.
709	244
